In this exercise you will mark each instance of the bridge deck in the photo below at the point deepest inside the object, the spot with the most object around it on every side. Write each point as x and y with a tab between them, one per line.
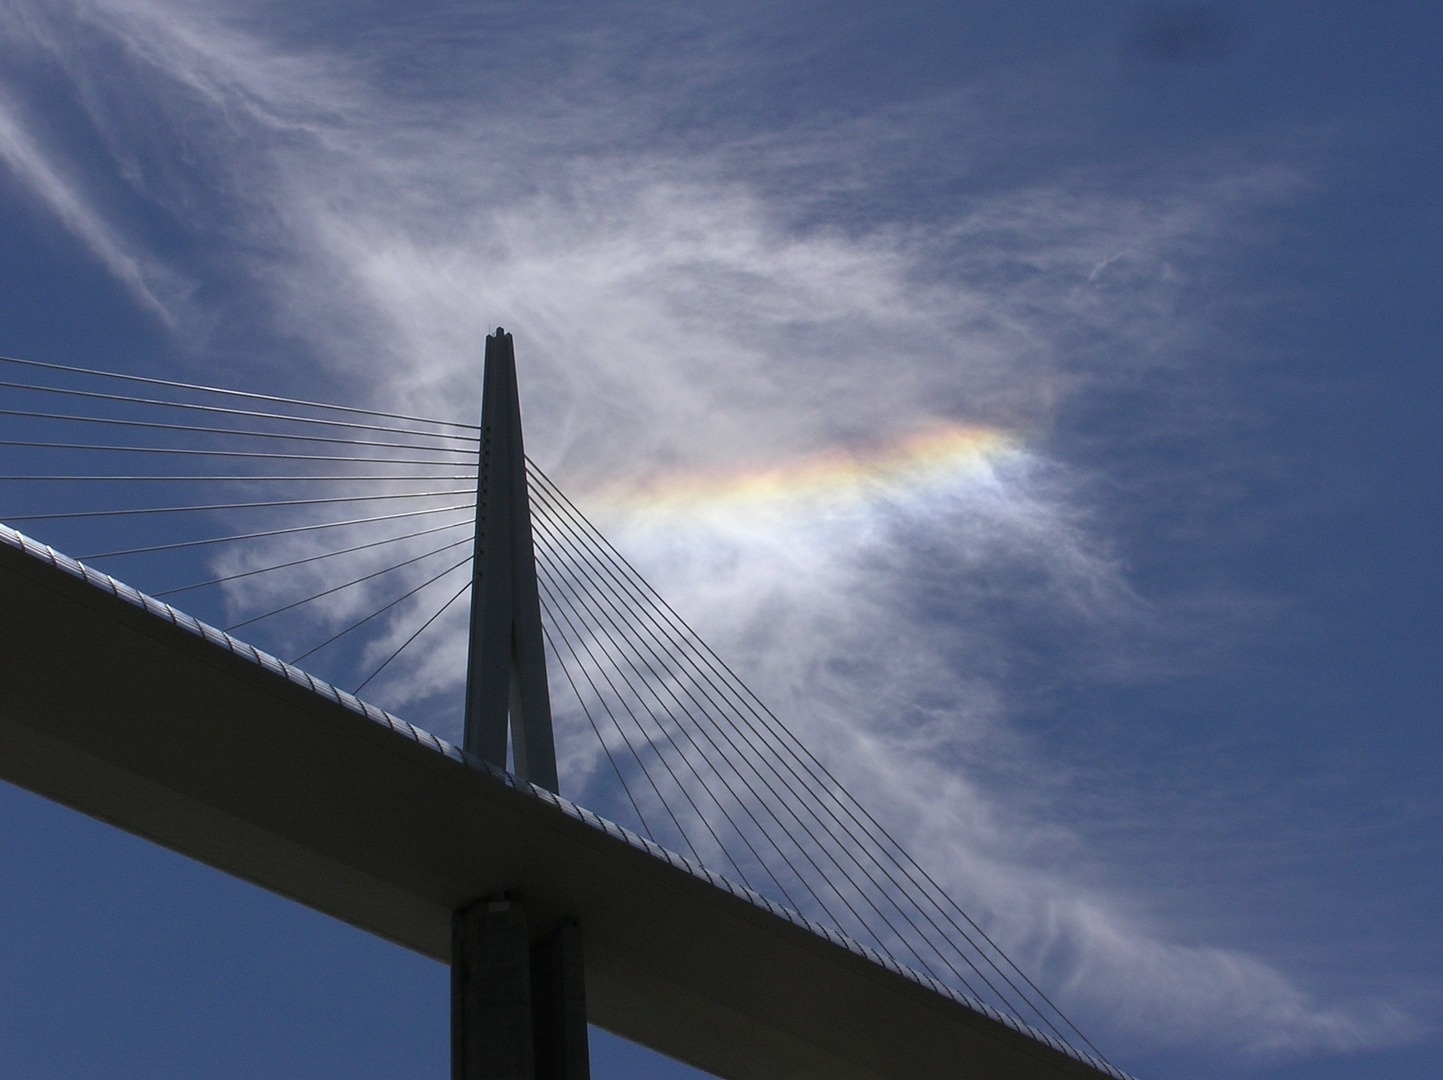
128	710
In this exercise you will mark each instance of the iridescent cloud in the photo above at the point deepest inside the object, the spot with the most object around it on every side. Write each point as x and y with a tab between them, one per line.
932	460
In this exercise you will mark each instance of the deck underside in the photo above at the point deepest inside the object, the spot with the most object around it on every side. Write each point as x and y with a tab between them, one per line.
127	712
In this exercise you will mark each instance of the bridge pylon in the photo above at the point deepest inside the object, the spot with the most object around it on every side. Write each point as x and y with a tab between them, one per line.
518	1001
506	666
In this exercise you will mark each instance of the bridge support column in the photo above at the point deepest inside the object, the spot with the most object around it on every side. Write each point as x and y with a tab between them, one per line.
518	1011
558	995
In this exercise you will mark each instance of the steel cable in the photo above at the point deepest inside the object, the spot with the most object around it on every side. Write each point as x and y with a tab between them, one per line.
788	807
236	393
153	425
412	638
436	463
998	994
346	585
654	748
381	610
275	532
739	801
314	558
799	798
620	776
234	506
615	722
831	788
682	755
193	406
237	477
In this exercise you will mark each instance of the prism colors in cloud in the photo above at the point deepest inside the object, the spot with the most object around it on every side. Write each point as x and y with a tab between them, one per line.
835	482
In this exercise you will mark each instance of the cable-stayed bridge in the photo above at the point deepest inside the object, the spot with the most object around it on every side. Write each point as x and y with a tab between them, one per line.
736	908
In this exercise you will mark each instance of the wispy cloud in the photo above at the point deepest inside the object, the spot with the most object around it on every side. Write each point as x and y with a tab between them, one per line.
681	309
30	165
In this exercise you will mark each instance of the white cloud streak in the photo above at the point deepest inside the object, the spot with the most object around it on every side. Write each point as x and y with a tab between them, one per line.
33	168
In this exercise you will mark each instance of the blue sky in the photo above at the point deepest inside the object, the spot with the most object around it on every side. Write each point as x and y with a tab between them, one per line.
1155	692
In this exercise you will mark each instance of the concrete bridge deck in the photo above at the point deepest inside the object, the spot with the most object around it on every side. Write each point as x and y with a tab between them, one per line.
130	711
